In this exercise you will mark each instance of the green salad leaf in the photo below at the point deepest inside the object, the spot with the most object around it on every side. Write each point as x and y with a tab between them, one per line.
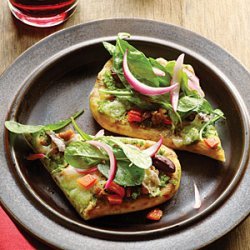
81	154
63	123
194	103
19	128
135	155
109	47
125	175
84	135
217	114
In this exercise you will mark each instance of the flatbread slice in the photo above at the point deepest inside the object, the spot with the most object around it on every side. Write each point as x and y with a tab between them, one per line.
114	117
93	202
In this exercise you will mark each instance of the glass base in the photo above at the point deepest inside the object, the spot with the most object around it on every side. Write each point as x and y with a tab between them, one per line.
42	22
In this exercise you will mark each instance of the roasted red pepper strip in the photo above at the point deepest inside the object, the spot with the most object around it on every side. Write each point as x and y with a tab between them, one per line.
212	142
114	199
33	157
155	214
134	116
167	121
117	189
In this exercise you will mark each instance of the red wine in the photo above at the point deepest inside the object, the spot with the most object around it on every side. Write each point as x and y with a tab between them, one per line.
42	13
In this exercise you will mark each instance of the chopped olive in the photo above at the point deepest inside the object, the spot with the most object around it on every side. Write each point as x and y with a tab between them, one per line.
163	163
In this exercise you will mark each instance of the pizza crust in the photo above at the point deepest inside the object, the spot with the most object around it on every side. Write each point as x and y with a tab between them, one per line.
132	130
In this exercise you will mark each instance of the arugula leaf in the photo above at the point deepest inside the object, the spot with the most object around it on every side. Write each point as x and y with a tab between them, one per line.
117	92
63	123
217	114
18	128
170	67
82	134
81	154
142	69
135	155
189	103
109	47
184	85
163	80
125	175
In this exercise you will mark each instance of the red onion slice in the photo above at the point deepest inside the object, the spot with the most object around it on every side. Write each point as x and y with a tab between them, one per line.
33	157
197	197
139	86
100	133
174	95
158	72
151	151
113	164
86	171
193	82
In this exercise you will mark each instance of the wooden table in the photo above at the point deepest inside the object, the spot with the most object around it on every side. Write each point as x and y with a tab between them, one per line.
226	22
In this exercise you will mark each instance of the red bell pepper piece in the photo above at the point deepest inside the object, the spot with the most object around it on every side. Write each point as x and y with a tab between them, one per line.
87	181
114	199
212	142
117	189
155	214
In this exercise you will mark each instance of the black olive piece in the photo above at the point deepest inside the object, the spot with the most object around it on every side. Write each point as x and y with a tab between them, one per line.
163	163
191	117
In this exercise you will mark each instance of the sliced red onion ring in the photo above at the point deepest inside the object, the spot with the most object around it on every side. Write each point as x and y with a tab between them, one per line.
151	151
197	197
113	164
158	72
174	94
139	86
86	171
193	82
100	133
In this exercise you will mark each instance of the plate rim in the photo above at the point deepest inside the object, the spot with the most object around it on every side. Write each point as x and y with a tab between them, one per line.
98	22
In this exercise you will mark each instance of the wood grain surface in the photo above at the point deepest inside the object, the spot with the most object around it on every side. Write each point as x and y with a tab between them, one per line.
225	22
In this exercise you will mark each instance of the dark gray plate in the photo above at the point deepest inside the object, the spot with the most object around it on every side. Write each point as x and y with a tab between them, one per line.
53	79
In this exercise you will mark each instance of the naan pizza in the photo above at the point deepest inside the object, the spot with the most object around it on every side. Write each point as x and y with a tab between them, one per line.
149	98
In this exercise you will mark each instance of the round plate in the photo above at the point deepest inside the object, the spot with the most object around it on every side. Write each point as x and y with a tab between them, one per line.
53	79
